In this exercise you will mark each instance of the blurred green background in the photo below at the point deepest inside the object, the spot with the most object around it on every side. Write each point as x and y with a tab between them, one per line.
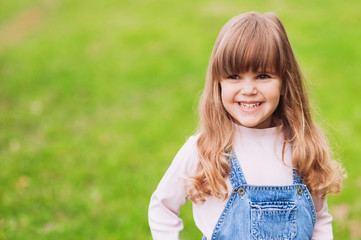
96	98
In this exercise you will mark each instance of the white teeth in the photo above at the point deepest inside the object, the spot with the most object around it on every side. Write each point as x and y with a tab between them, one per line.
249	105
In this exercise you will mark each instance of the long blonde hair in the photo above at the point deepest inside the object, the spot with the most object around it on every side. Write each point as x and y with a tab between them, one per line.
253	41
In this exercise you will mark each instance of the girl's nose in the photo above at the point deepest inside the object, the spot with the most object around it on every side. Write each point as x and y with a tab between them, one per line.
248	88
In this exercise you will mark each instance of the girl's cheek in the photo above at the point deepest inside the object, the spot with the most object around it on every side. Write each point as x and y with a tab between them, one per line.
226	93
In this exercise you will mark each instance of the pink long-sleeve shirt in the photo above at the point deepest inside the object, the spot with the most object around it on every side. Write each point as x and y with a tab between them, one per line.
259	152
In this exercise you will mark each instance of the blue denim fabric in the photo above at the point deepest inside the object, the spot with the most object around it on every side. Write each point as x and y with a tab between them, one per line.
265	212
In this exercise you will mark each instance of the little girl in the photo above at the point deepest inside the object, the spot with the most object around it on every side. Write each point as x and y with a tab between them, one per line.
259	167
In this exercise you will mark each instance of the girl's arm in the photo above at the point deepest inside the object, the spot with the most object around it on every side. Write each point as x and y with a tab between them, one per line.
170	194
323	227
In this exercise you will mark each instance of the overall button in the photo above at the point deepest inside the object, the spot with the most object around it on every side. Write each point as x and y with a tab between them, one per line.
241	191
300	190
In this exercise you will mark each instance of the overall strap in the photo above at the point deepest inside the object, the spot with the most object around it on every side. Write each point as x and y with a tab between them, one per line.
297	179
236	175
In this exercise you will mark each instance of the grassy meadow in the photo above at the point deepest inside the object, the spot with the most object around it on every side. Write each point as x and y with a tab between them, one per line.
96	98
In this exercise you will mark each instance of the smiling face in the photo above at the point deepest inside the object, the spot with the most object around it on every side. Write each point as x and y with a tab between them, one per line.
252	62
251	98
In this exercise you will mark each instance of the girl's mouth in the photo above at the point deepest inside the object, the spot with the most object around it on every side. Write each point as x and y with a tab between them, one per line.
249	105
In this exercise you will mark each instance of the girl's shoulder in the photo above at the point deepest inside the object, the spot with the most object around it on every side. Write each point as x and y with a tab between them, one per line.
189	148
186	160
191	141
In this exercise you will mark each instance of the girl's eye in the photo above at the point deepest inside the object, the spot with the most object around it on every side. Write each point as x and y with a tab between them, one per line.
233	77
263	76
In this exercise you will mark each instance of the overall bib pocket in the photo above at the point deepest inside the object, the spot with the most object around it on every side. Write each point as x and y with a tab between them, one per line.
273	220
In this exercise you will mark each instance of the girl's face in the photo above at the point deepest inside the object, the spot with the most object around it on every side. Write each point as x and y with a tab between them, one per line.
251	98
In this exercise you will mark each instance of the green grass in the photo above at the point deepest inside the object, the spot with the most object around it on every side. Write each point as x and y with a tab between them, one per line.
96	97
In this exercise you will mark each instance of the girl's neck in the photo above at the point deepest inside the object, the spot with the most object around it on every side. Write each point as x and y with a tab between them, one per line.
255	133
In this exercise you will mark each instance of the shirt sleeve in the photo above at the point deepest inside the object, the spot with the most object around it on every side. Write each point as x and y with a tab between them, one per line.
170	195
323	226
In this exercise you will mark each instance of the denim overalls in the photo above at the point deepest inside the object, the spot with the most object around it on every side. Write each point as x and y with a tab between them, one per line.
265	212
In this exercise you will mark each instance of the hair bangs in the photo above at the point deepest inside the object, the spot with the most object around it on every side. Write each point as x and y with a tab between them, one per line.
249	46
